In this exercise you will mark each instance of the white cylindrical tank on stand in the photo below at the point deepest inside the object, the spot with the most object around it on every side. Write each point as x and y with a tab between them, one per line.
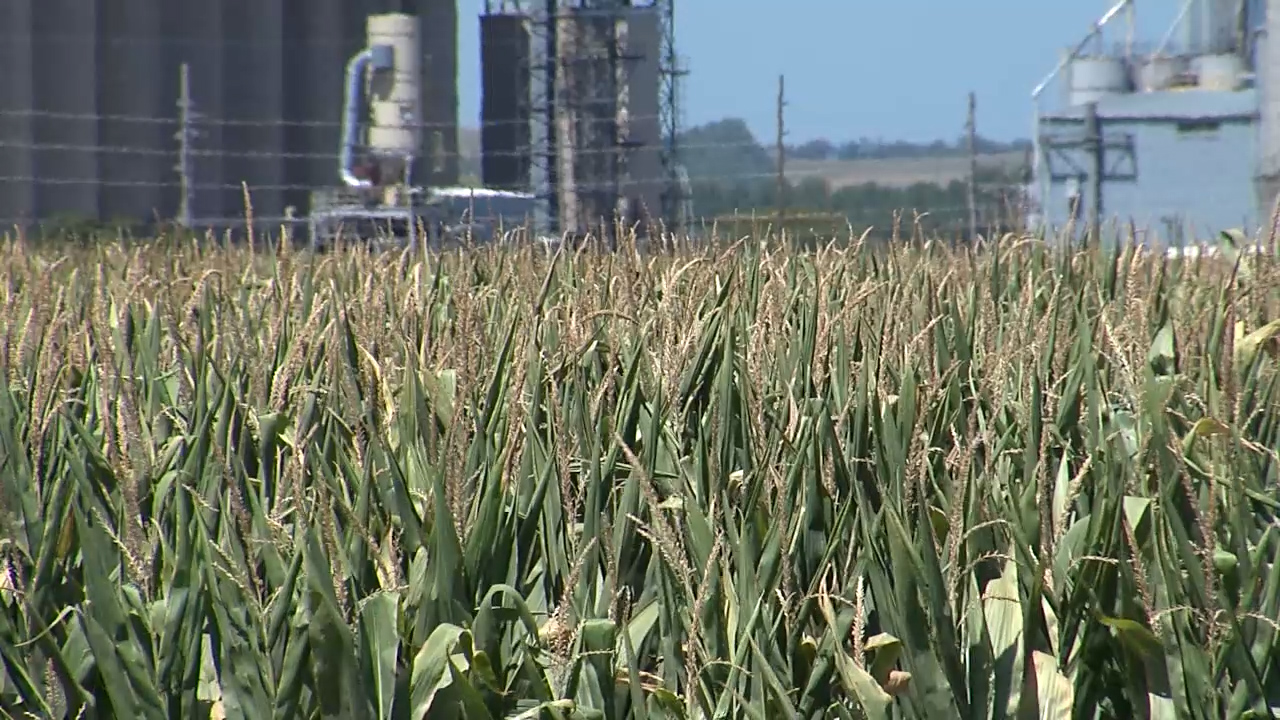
1093	78
1219	72
396	96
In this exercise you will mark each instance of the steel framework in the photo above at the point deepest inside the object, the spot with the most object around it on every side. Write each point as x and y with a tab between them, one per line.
675	192
598	145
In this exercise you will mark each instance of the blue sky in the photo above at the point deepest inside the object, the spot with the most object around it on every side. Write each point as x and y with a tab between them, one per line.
893	69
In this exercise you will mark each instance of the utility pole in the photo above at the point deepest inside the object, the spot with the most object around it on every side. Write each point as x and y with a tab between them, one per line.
1097	155
971	135
184	136
782	154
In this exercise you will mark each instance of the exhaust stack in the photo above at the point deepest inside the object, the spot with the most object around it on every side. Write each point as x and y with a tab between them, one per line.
383	89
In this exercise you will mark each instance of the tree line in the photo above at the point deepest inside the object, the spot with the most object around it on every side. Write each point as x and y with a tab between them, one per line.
732	174
871	149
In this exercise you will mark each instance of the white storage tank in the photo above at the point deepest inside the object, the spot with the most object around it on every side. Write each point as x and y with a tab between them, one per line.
395	96
1160	72
1219	72
1093	78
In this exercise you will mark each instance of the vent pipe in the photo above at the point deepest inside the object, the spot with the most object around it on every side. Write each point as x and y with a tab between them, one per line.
378	57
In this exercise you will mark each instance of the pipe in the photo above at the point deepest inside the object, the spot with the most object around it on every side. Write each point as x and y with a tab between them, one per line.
1168	36
378	57
351	118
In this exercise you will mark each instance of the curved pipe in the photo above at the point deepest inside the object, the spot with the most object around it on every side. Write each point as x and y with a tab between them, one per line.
351	118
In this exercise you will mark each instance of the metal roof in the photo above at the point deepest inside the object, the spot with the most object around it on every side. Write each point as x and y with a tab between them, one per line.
1169	106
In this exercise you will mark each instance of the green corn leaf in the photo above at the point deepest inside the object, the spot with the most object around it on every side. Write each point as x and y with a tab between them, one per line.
381	649
432	672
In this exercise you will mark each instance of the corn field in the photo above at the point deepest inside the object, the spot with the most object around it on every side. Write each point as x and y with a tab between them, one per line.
732	483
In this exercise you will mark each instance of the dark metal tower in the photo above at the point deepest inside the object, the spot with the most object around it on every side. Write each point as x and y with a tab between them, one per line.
674	196
601	110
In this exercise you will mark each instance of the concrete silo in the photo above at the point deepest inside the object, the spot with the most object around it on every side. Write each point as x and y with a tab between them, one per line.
505	101
1268	54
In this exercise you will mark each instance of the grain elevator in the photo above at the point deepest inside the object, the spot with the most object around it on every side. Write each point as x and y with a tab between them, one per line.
1172	135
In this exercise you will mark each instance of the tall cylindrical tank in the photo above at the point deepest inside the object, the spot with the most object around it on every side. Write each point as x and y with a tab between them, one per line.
506	147
395	96
1160	72
1218	72
1213	27
1093	78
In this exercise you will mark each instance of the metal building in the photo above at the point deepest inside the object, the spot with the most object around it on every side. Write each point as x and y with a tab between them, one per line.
1166	138
89	104
505	139
1181	162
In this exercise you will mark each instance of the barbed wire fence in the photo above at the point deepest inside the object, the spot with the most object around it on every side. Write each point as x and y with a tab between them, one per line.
179	169
818	186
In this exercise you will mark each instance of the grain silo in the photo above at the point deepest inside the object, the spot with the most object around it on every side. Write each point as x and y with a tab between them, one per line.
1268	54
505	101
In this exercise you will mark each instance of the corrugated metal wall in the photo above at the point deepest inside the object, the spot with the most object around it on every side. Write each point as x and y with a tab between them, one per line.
647	175
17	94
1212	25
129	81
1198	181
89	91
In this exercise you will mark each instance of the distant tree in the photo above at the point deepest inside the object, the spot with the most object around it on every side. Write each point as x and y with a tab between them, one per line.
851	150
723	149
733	173
811	193
820	149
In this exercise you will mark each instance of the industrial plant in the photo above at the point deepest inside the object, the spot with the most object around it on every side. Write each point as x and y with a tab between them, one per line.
1180	138
343	112
95	119
579	128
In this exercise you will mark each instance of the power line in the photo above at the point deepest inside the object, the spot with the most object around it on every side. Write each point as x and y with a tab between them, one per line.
289	155
971	138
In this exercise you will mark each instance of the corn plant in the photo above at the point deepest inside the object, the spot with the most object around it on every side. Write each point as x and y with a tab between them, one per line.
501	483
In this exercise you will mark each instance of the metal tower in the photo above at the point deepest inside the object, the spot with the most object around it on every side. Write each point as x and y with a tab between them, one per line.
675	195
600	103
